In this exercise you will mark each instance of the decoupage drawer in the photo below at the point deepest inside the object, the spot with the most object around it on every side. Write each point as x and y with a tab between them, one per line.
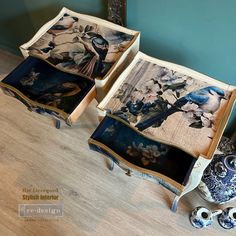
49	91
170	102
141	156
85	45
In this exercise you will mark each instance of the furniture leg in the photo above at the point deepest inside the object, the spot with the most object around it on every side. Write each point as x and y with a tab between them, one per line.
110	164
57	123
194	179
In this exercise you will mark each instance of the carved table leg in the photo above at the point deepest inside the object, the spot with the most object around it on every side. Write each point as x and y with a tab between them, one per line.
194	179
128	173
57	123
110	164
175	204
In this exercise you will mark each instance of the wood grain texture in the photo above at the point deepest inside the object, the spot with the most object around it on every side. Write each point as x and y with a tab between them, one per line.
96	201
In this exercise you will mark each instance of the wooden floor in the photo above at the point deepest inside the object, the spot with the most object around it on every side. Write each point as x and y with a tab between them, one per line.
33	154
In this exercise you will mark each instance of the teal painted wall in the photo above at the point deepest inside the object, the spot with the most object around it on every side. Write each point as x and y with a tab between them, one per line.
20	19
198	34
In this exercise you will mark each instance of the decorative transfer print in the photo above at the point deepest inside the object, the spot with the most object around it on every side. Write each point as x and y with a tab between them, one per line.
44	84
82	47
30	78
148	154
150	103
166	104
143	152
35	108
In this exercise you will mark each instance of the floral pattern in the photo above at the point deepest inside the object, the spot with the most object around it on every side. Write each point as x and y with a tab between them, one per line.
162	93
227	219
148	154
219	181
197	219
196	117
121	141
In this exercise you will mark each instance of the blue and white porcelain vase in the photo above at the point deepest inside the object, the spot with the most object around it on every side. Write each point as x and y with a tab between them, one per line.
218	184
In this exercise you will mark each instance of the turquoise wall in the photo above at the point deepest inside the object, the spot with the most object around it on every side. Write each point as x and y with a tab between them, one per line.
200	34
20	19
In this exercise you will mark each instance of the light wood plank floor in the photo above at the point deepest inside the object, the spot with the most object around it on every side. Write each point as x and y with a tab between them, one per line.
33	154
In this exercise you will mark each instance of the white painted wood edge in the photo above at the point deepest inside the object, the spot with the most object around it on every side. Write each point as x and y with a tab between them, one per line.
24	47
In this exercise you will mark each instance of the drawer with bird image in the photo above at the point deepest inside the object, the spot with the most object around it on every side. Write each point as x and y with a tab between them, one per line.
163	122
86	46
49	91
169	102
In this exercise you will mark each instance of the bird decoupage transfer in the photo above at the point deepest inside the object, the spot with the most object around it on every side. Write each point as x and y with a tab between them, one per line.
39	82
165	104
79	46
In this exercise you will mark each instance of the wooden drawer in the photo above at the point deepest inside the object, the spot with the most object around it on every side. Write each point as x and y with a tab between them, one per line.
169	102
49	91
132	151
155	103
85	45
71	59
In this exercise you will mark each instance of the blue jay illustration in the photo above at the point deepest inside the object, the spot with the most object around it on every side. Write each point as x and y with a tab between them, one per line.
208	100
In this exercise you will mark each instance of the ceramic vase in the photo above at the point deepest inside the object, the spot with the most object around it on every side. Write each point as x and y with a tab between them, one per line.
218	184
